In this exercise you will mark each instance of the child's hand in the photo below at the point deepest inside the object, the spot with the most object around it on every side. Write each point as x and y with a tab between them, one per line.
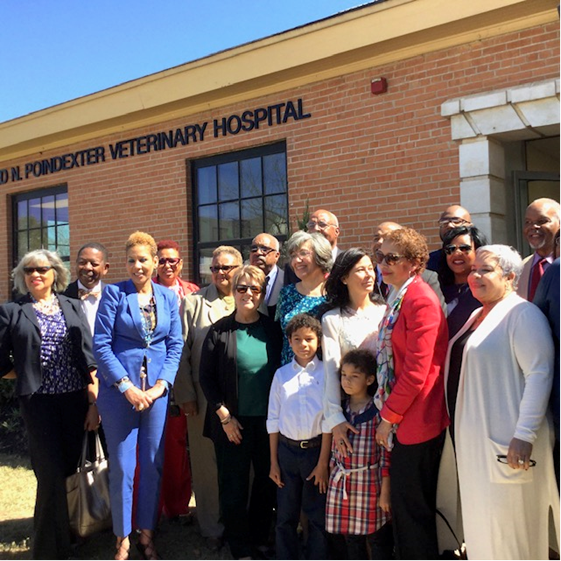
275	475
385	503
321	475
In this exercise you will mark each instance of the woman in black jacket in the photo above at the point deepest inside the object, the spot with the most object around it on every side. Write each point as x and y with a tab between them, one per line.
46	341
239	358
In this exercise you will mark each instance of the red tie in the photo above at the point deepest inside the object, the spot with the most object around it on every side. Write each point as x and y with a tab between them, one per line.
537	273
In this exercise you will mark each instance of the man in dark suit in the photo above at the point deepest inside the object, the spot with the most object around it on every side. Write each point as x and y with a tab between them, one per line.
547	299
265	253
91	266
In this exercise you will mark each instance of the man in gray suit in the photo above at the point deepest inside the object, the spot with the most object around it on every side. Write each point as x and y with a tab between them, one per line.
541	222
265	252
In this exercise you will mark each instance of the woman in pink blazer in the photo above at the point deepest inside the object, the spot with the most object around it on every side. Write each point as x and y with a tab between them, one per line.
412	345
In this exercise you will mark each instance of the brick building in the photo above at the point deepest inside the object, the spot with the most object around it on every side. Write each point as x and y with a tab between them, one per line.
392	110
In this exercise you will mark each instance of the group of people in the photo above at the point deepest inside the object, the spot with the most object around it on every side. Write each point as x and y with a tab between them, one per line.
371	389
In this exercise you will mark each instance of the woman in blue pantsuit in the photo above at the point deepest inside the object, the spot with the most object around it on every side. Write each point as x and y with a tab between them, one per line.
137	344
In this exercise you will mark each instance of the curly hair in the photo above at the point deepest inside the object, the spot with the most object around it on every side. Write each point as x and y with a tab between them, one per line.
337	292
142	238
411	245
36	258
303	320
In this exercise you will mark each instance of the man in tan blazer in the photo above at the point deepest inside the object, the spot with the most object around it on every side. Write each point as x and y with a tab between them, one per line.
541	223
201	310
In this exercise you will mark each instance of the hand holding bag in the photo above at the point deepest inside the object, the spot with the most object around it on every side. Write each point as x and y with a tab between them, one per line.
88	493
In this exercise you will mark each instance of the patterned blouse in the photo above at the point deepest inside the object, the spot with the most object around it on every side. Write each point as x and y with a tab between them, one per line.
291	303
60	375
355	482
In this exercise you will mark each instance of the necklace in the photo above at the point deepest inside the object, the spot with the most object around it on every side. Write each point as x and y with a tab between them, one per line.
49	306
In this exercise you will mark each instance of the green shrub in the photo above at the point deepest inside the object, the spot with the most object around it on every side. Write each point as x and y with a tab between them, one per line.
13	438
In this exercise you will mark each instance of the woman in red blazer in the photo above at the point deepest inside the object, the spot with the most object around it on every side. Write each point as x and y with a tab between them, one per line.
411	353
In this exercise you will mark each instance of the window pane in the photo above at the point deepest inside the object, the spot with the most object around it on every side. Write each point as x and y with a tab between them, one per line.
34	240
22	216
34	213
252	217
22	243
228	181
229	221
62	208
274	173
250	171
244	250
276	215
63	236
206	185
48	211
205	260
208	223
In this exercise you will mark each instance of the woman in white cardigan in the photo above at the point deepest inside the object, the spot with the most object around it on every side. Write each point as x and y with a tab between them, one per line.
352	322
498	380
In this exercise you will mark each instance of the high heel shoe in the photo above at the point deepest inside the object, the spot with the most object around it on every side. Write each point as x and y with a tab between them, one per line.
147	550
122	551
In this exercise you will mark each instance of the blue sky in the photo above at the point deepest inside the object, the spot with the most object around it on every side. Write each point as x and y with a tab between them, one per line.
52	51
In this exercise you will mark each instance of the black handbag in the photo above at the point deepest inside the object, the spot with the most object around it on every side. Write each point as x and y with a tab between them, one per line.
87	493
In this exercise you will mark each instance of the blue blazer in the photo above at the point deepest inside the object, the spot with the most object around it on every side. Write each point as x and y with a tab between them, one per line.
119	345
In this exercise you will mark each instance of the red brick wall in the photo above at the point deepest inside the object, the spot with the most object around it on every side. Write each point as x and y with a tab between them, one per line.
367	158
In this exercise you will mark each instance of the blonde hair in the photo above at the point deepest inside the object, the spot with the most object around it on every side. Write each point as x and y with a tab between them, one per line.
251	272
142	238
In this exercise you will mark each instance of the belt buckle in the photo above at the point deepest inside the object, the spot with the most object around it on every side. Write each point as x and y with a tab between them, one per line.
304	444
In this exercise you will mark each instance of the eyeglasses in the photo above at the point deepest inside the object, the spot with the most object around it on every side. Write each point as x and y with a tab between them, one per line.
389	258
243	288
173	261
319	224
501	458
464	248
262	248
40	270
224	268
303	253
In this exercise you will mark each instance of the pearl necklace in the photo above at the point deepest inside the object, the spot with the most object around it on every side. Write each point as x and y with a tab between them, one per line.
48	307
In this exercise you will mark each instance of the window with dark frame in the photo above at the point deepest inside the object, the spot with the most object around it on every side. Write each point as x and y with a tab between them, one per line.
237	196
40	221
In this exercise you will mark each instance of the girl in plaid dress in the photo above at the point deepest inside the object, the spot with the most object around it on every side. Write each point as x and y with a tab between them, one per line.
358	496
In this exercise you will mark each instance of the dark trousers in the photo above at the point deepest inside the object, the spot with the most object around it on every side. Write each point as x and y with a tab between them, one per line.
55	431
246	526
414	475
380	544
296	464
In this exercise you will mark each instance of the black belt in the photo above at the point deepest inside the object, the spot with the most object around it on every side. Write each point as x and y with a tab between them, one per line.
304	444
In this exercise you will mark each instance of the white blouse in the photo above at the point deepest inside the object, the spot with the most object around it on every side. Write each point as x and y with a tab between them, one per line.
344	330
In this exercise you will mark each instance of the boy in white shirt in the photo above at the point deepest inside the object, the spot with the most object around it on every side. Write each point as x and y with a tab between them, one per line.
300	442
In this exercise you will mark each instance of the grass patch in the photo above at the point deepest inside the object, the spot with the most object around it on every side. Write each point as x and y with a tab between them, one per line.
175	539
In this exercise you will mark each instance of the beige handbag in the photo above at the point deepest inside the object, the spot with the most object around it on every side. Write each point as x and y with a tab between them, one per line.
88	493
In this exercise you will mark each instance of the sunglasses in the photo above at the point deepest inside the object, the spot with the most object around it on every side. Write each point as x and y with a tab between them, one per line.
173	261
464	248
224	268
40	270
389	258
243	288
262	248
